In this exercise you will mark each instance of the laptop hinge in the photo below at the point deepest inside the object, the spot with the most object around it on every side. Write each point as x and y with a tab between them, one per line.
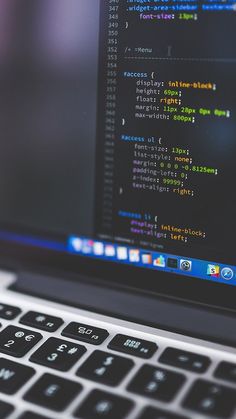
192	320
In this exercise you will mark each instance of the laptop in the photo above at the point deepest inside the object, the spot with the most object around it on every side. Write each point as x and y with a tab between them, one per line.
117	209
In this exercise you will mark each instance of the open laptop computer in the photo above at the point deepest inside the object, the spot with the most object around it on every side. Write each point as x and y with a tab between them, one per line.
117	209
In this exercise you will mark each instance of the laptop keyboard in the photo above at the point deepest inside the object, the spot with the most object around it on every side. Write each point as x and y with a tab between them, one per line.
170	382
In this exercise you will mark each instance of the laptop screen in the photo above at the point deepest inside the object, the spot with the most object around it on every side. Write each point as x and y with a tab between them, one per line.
117	131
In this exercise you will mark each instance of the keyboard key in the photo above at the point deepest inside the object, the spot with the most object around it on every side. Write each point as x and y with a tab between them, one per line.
9	312
5	409
53	392
152	413
156	383
17	342
133	346
211	399
31	415
185	360
41	321
226	371
59	354
85	333
13	376
100	404
105	368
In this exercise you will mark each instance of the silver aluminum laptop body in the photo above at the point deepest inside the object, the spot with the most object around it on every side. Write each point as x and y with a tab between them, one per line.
117	163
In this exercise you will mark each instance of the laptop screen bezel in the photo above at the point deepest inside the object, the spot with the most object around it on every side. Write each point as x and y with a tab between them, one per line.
19	257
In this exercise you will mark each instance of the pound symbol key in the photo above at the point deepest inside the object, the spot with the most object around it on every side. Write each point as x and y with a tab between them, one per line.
58	354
